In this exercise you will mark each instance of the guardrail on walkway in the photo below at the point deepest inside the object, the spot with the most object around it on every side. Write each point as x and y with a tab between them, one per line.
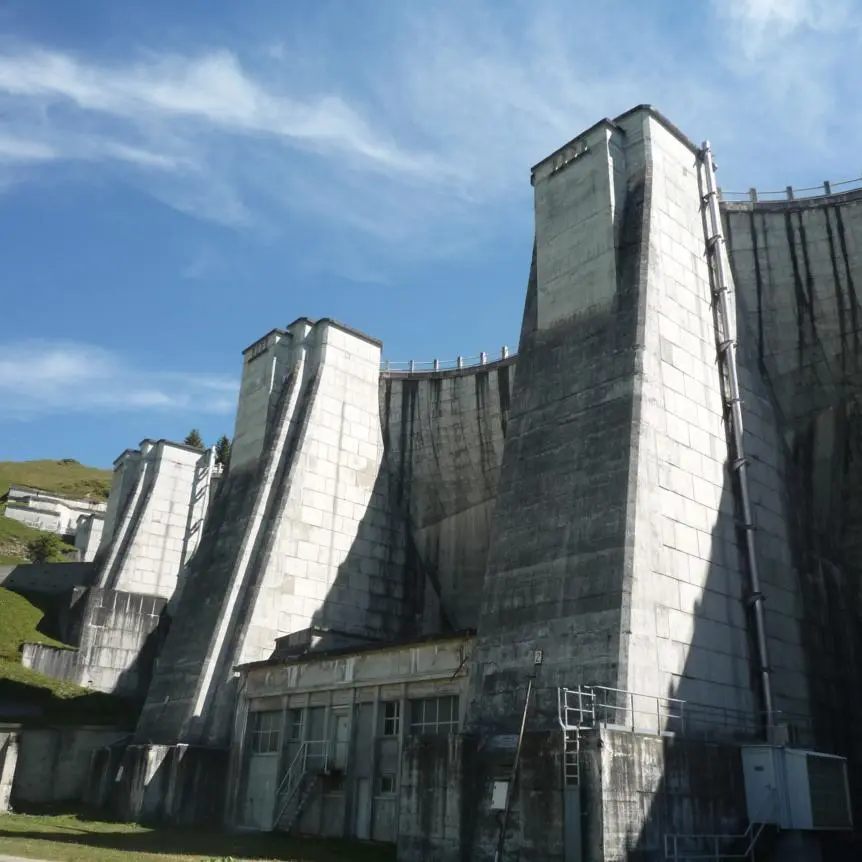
416	366
789	193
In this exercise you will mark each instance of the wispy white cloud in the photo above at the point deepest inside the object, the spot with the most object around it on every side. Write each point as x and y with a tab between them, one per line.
422	142
41	377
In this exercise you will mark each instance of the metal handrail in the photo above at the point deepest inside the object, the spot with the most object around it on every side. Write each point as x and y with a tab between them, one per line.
412	366
292	779
606	706
751	836
789	192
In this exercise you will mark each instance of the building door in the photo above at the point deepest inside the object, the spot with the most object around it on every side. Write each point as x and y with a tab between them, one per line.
259	805
362	827
341	739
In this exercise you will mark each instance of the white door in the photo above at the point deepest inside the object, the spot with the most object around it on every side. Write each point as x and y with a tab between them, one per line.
341	737
363	809
259	807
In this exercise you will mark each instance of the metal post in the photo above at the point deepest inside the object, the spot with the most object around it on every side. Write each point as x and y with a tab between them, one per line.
436	364
827	187
716	243
790	193
460	362
411	365
504	352
483	358
752	195
498	855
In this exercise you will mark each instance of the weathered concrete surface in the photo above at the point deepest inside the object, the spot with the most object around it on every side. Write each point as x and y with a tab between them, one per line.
305	539
53	763
49	578
9	740
443	433
174	784
155	501
614	545
639	788
797	266
117	636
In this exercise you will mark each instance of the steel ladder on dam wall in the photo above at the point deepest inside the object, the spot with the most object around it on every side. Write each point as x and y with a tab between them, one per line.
722	847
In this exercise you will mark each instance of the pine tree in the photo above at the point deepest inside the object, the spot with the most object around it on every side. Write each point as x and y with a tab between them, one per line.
193	438
222	451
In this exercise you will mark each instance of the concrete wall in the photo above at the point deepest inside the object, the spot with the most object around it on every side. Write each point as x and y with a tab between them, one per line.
443	434
88	536
8	762
117	635
178	785
52	578
53	763
797	267
305	538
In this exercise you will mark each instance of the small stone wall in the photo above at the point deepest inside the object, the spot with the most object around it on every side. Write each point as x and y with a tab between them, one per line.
51	578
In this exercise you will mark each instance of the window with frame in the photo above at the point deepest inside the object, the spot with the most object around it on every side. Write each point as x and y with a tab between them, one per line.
434	716
387	785
265	731
391	718
295	723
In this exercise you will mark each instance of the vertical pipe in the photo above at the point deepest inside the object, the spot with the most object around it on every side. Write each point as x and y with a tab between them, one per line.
727	341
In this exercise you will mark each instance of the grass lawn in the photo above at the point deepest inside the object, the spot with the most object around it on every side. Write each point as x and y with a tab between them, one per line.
61	477
74	838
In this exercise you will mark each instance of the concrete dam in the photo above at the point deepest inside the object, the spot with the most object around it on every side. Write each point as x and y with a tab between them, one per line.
598	600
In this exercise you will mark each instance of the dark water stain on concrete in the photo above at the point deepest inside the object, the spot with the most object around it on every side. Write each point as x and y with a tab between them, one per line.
798	290
851	287
839	290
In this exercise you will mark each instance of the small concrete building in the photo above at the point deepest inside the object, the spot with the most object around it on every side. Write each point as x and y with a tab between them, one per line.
44	510
321	738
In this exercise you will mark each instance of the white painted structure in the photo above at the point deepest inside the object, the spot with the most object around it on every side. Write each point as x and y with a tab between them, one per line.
88	536
43	510
159	497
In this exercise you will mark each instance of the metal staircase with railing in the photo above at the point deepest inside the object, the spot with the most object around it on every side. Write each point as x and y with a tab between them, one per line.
300	781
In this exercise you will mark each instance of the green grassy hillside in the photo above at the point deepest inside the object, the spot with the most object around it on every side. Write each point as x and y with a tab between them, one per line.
56	700
59	477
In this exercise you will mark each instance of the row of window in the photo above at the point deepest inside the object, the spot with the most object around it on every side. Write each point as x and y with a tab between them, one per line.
437	716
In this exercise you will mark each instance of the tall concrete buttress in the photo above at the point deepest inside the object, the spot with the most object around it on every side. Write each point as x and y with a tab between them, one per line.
300	540
613	546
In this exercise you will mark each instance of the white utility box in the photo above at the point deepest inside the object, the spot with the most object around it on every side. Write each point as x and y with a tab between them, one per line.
796	789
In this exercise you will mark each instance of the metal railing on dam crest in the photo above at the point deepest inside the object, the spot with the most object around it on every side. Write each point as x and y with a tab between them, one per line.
425	366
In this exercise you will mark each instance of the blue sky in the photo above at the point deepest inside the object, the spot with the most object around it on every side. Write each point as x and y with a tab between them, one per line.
178	178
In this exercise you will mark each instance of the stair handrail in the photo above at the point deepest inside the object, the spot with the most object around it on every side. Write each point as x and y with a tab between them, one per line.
750	838
292	779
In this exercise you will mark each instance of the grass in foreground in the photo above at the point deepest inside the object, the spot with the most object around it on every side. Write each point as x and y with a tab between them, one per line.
53	700
75	838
